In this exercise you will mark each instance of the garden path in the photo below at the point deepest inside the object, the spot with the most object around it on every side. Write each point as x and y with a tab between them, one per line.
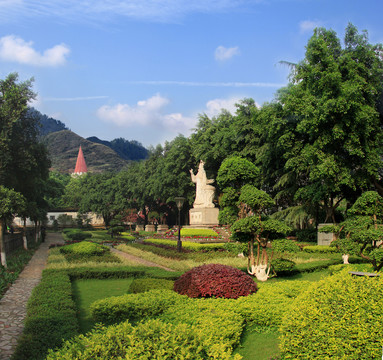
137	259
13	306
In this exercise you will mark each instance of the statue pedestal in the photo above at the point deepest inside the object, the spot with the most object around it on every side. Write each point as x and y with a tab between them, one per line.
204	216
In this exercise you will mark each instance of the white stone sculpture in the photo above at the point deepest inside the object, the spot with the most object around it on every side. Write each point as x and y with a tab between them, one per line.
204	191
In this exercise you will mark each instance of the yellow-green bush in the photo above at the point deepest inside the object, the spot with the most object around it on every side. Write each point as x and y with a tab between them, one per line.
320	249
188	245
153	339
133	307
339	317
198	232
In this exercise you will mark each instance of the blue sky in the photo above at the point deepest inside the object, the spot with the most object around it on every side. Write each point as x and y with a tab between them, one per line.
145	69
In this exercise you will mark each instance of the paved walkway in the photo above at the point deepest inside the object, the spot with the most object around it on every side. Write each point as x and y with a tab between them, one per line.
13	306
137	259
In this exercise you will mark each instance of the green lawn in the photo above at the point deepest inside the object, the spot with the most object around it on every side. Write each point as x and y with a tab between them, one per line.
258	346
89	290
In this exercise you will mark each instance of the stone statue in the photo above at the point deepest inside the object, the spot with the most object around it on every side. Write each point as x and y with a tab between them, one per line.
204	192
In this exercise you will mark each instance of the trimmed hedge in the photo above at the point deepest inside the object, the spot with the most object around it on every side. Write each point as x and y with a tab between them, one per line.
215	280
285	245
282	266
343	312
198	232
133	307
153	339
188	245
76	234
324	249
51	317
84	248
147	284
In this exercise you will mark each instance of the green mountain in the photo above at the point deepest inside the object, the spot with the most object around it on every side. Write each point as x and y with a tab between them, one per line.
128	150
63	149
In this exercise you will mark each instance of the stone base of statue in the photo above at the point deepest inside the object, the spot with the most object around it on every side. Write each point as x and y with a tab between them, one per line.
204	216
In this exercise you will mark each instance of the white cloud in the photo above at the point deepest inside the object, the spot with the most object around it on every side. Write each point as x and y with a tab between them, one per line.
145	112
222	53
215	106
308	26
15	49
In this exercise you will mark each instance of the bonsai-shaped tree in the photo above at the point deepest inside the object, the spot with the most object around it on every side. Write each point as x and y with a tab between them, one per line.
254	226
11	203
362	232
233	173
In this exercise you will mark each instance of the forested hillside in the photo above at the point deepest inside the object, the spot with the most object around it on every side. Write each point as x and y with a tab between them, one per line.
63	149
128	150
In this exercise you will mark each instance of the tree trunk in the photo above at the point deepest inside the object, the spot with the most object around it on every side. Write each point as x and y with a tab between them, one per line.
25	241
2	245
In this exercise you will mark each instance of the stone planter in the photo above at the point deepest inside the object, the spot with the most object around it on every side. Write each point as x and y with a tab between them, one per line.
161	229
150	228
140	228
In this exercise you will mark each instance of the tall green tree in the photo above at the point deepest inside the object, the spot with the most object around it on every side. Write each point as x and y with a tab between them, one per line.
333	138
11	203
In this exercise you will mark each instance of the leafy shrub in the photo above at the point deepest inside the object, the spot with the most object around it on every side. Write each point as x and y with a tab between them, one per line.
75	234
215	280
84	248
267	307
51	317
147	284
285	245
320	249
350	267
343	311
153	339
236	248
217	319
282	266
133	307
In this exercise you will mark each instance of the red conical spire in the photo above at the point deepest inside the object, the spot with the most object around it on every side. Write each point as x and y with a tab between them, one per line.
80	164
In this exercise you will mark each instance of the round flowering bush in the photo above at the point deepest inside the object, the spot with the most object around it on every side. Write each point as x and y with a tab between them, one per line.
215	280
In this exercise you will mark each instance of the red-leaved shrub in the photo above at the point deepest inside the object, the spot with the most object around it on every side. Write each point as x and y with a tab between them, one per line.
215	280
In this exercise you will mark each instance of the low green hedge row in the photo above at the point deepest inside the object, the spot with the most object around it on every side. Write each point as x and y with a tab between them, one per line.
121	272
51	317
146	284
153	339
51	312
324	249
133	307
285	245
84	248
189	245
343	312
76	234
198	232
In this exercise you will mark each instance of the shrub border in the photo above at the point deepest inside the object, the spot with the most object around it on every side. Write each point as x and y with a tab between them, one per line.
52	310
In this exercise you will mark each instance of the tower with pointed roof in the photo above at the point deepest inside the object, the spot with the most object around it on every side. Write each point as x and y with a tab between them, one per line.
80	168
